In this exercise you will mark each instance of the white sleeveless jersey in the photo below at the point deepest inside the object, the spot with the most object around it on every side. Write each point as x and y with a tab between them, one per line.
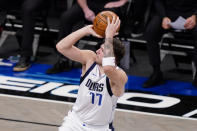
95	102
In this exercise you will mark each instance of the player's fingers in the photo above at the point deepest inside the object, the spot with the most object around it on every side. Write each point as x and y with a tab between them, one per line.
113	19
108	20
116	33
118	24
99	36
117	21
90	25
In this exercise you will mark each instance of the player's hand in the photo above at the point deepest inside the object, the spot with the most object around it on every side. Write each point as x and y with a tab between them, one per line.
190	22
112	27
89	15
166	23
89	29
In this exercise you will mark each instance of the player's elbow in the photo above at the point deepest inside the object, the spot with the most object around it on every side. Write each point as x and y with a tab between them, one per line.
61	48
58	47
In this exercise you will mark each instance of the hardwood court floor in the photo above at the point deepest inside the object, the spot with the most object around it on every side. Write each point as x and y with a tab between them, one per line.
26	114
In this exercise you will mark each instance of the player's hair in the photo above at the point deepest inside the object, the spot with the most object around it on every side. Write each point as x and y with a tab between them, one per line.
119	50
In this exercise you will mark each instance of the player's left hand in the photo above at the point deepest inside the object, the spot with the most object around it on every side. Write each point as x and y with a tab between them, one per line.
112	27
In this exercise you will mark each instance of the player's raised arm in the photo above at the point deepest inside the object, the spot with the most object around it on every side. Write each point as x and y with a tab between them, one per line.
112	55
67	48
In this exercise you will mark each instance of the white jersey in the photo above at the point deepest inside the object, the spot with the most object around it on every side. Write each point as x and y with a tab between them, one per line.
95	104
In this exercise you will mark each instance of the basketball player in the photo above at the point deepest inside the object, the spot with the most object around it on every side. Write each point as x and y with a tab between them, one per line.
101	83
82	10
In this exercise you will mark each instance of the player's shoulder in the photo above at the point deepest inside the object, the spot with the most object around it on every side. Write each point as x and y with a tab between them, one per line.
86	67
87	55
90	53
90	58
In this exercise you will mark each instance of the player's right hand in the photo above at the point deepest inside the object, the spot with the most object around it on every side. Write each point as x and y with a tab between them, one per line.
91	31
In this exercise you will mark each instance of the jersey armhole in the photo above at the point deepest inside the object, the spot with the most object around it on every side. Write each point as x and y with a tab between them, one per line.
87	72
109	87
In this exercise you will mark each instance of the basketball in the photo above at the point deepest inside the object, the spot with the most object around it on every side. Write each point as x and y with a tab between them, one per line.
100	22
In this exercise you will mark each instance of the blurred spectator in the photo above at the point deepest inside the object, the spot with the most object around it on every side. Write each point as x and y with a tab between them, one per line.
28	7
80	11
168	11
138	17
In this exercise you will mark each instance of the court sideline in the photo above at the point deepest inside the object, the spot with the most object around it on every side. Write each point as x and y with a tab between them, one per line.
32	114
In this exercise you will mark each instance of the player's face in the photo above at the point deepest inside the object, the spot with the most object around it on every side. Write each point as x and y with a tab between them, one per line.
100	54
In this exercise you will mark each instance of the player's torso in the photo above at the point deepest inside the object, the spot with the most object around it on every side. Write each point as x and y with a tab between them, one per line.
94	104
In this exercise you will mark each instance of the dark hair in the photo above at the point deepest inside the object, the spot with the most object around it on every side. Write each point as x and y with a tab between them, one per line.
119	50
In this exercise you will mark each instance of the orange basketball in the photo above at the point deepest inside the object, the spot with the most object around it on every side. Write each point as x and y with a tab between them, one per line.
100	22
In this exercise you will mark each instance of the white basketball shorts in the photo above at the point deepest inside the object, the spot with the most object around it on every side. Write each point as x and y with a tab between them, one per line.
72	123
